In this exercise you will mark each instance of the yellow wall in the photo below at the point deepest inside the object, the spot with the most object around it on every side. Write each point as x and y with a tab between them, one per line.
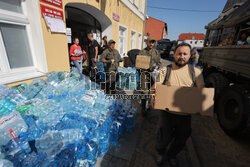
127	17
56	47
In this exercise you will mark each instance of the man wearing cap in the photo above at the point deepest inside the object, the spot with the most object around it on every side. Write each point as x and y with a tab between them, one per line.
111	57
154	64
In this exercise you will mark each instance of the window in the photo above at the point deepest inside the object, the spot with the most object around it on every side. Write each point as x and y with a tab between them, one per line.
11	5
21	58
133	40
142	6
191	42
139	41
144	43
122	40
195	42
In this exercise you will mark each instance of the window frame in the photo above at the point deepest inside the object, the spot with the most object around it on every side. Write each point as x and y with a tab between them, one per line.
140	41
134	40
31	19
125	38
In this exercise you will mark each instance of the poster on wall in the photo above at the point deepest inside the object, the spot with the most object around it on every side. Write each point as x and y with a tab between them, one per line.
98	37
57	3
68	31
51	12
55	25
69	39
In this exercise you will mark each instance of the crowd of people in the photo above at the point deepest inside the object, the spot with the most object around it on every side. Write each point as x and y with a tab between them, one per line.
173	129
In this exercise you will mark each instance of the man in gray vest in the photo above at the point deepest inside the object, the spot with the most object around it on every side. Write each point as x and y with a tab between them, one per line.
173	126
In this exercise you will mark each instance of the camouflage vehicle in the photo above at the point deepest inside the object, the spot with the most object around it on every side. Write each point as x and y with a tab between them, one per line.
226	66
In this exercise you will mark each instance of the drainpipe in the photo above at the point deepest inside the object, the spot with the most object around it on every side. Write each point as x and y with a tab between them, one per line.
144	24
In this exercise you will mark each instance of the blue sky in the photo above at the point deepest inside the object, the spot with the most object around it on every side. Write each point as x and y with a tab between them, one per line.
185	22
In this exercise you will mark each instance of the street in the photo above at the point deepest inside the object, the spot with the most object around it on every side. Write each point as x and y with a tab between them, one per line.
214	148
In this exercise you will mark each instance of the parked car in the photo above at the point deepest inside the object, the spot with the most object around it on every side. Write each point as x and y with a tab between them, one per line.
164	46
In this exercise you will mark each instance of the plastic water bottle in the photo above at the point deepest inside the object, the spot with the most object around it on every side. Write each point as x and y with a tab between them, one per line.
155	74
4	91
32	160
114	135
71	136
6	107
50	144
104	134
17	98
25	107
34	88
20	88
5	163
17	146
11	126
92	152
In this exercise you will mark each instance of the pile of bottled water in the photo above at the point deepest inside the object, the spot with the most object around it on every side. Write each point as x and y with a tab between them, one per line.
128	78
60	121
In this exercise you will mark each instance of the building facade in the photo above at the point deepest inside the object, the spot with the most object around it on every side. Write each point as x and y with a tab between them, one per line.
194	39
35	34
156	28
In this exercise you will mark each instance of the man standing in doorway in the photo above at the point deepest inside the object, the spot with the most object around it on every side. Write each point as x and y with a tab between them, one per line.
145	74
175	128
92	55
111	57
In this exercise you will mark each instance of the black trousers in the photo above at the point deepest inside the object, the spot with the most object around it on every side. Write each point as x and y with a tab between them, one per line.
111	78
173	131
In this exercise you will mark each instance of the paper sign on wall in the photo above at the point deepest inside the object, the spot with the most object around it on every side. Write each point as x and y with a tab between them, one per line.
51	12
57	3
69	39
55	25
68	31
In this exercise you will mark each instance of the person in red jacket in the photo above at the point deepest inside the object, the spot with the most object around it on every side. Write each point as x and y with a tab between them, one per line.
76	55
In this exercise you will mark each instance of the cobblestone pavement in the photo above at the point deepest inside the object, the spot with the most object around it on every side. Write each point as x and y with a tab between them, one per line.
144	155
216	149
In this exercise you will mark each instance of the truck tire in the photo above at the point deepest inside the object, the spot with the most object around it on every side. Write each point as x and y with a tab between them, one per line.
217	81
232	113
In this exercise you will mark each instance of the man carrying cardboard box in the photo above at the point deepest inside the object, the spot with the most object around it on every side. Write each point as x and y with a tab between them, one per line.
145	73
173	126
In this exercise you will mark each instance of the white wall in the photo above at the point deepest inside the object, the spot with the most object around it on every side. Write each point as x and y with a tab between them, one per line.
194	43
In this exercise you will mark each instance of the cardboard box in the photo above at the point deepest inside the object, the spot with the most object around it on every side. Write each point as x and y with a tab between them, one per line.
142	62
188	100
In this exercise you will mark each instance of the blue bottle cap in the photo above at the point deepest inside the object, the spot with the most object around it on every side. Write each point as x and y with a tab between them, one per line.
65	94
50	97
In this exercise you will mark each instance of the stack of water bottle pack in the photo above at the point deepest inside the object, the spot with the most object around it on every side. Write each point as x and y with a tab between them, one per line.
60	121
101	71
128	78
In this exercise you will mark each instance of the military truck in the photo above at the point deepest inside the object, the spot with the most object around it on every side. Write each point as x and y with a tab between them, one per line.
226	66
